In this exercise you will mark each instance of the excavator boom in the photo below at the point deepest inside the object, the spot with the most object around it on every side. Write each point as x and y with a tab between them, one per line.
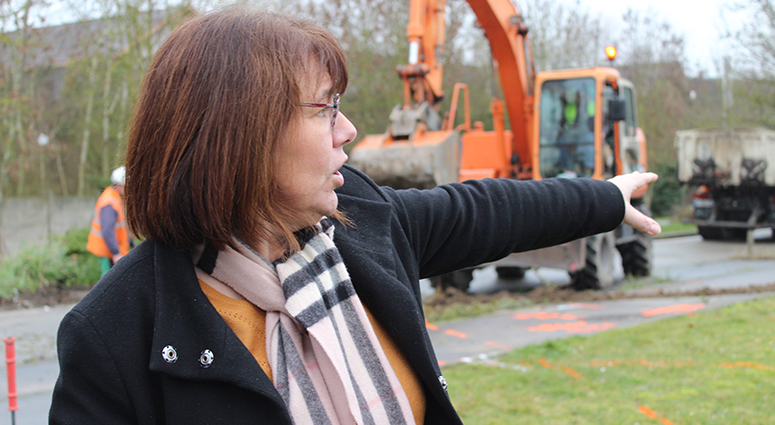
415	151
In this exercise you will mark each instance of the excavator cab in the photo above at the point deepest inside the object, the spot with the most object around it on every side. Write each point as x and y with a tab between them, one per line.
585	125
563	123
566	144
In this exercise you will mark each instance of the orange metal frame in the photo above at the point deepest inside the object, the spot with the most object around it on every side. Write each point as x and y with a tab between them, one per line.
490	153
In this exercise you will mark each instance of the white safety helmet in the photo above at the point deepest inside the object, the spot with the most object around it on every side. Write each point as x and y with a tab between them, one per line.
118	175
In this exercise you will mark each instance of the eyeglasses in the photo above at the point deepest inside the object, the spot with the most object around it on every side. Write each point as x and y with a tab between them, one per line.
333	107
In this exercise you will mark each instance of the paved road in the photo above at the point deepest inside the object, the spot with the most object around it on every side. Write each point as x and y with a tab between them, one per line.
680	264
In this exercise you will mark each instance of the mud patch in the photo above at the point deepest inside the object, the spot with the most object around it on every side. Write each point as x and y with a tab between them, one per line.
44	297
566	294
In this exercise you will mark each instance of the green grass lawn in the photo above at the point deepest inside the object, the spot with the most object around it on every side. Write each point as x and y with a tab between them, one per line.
714	367
675	225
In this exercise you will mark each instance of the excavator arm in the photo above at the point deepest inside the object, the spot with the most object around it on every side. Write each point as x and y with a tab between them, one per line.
505	29
416	151
422	76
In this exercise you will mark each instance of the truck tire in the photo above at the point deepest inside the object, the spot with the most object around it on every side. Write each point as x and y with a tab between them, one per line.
460	280
710	233
637	256
510	272
598	272
734	234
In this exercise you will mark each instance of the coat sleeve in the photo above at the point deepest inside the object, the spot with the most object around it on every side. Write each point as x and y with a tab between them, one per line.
89	389
465	224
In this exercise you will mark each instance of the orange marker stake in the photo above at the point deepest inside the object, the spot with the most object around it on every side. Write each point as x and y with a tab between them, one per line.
10	360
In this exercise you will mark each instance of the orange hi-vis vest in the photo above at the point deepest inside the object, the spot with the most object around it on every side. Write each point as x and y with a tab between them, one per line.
96	244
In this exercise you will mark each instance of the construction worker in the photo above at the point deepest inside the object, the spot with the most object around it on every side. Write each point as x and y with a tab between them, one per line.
109	239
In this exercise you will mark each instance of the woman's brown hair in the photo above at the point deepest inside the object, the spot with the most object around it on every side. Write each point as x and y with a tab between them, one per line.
218	97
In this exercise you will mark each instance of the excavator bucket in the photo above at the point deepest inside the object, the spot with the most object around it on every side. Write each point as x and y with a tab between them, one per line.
425	160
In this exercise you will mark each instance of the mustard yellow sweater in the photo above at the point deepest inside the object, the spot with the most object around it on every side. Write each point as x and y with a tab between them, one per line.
249	323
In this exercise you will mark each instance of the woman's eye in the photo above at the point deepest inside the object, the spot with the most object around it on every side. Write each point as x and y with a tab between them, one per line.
323	112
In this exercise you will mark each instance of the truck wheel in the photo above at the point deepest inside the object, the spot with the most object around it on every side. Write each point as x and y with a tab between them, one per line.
599	270
637	256
460	279
510	272
710	233
733	234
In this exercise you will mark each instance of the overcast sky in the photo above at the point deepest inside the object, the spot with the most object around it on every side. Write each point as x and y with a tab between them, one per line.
699	21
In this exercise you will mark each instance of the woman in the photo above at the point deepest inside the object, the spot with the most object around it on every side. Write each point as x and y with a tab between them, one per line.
277	285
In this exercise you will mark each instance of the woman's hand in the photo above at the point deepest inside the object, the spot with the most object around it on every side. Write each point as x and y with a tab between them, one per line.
627	184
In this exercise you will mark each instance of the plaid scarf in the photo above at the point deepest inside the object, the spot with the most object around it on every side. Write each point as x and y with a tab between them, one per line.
326	360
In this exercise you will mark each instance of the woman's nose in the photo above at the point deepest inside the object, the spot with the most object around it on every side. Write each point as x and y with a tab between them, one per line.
344	131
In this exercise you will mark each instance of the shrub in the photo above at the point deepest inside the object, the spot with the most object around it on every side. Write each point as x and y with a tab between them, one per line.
667	192
75	240
86	270
61	262
34	268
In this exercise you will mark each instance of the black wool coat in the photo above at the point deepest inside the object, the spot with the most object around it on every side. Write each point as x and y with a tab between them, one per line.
115	347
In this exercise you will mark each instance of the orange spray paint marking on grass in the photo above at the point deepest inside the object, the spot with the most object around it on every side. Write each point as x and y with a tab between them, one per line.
609	363
574	327
648	412
572	372
651	414
643	362
430	325
498	346
542	315
746	364
674	309
456	334
545	364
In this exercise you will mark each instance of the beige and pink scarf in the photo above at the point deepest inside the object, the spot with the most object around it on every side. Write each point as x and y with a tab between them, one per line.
326	360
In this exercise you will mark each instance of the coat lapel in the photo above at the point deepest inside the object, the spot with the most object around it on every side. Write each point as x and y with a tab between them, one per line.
186	322
369	244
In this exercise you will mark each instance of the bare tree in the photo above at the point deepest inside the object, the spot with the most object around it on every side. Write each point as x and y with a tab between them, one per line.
651	54
17	90
755	38
752	73
564	36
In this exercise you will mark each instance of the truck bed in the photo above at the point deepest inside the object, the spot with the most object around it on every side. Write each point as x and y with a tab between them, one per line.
724	158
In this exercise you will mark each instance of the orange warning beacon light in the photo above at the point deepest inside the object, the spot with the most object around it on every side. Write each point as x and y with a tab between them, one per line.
610	53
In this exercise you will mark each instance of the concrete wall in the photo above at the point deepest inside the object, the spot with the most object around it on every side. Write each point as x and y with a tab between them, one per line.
33	220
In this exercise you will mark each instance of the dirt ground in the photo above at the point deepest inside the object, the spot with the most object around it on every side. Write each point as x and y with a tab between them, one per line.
539	295
46	297
566	294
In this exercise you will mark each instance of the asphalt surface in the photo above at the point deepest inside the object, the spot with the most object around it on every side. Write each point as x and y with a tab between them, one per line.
482	338
680	264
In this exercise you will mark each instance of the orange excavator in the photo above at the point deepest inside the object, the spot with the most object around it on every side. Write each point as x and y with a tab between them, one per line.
565	123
